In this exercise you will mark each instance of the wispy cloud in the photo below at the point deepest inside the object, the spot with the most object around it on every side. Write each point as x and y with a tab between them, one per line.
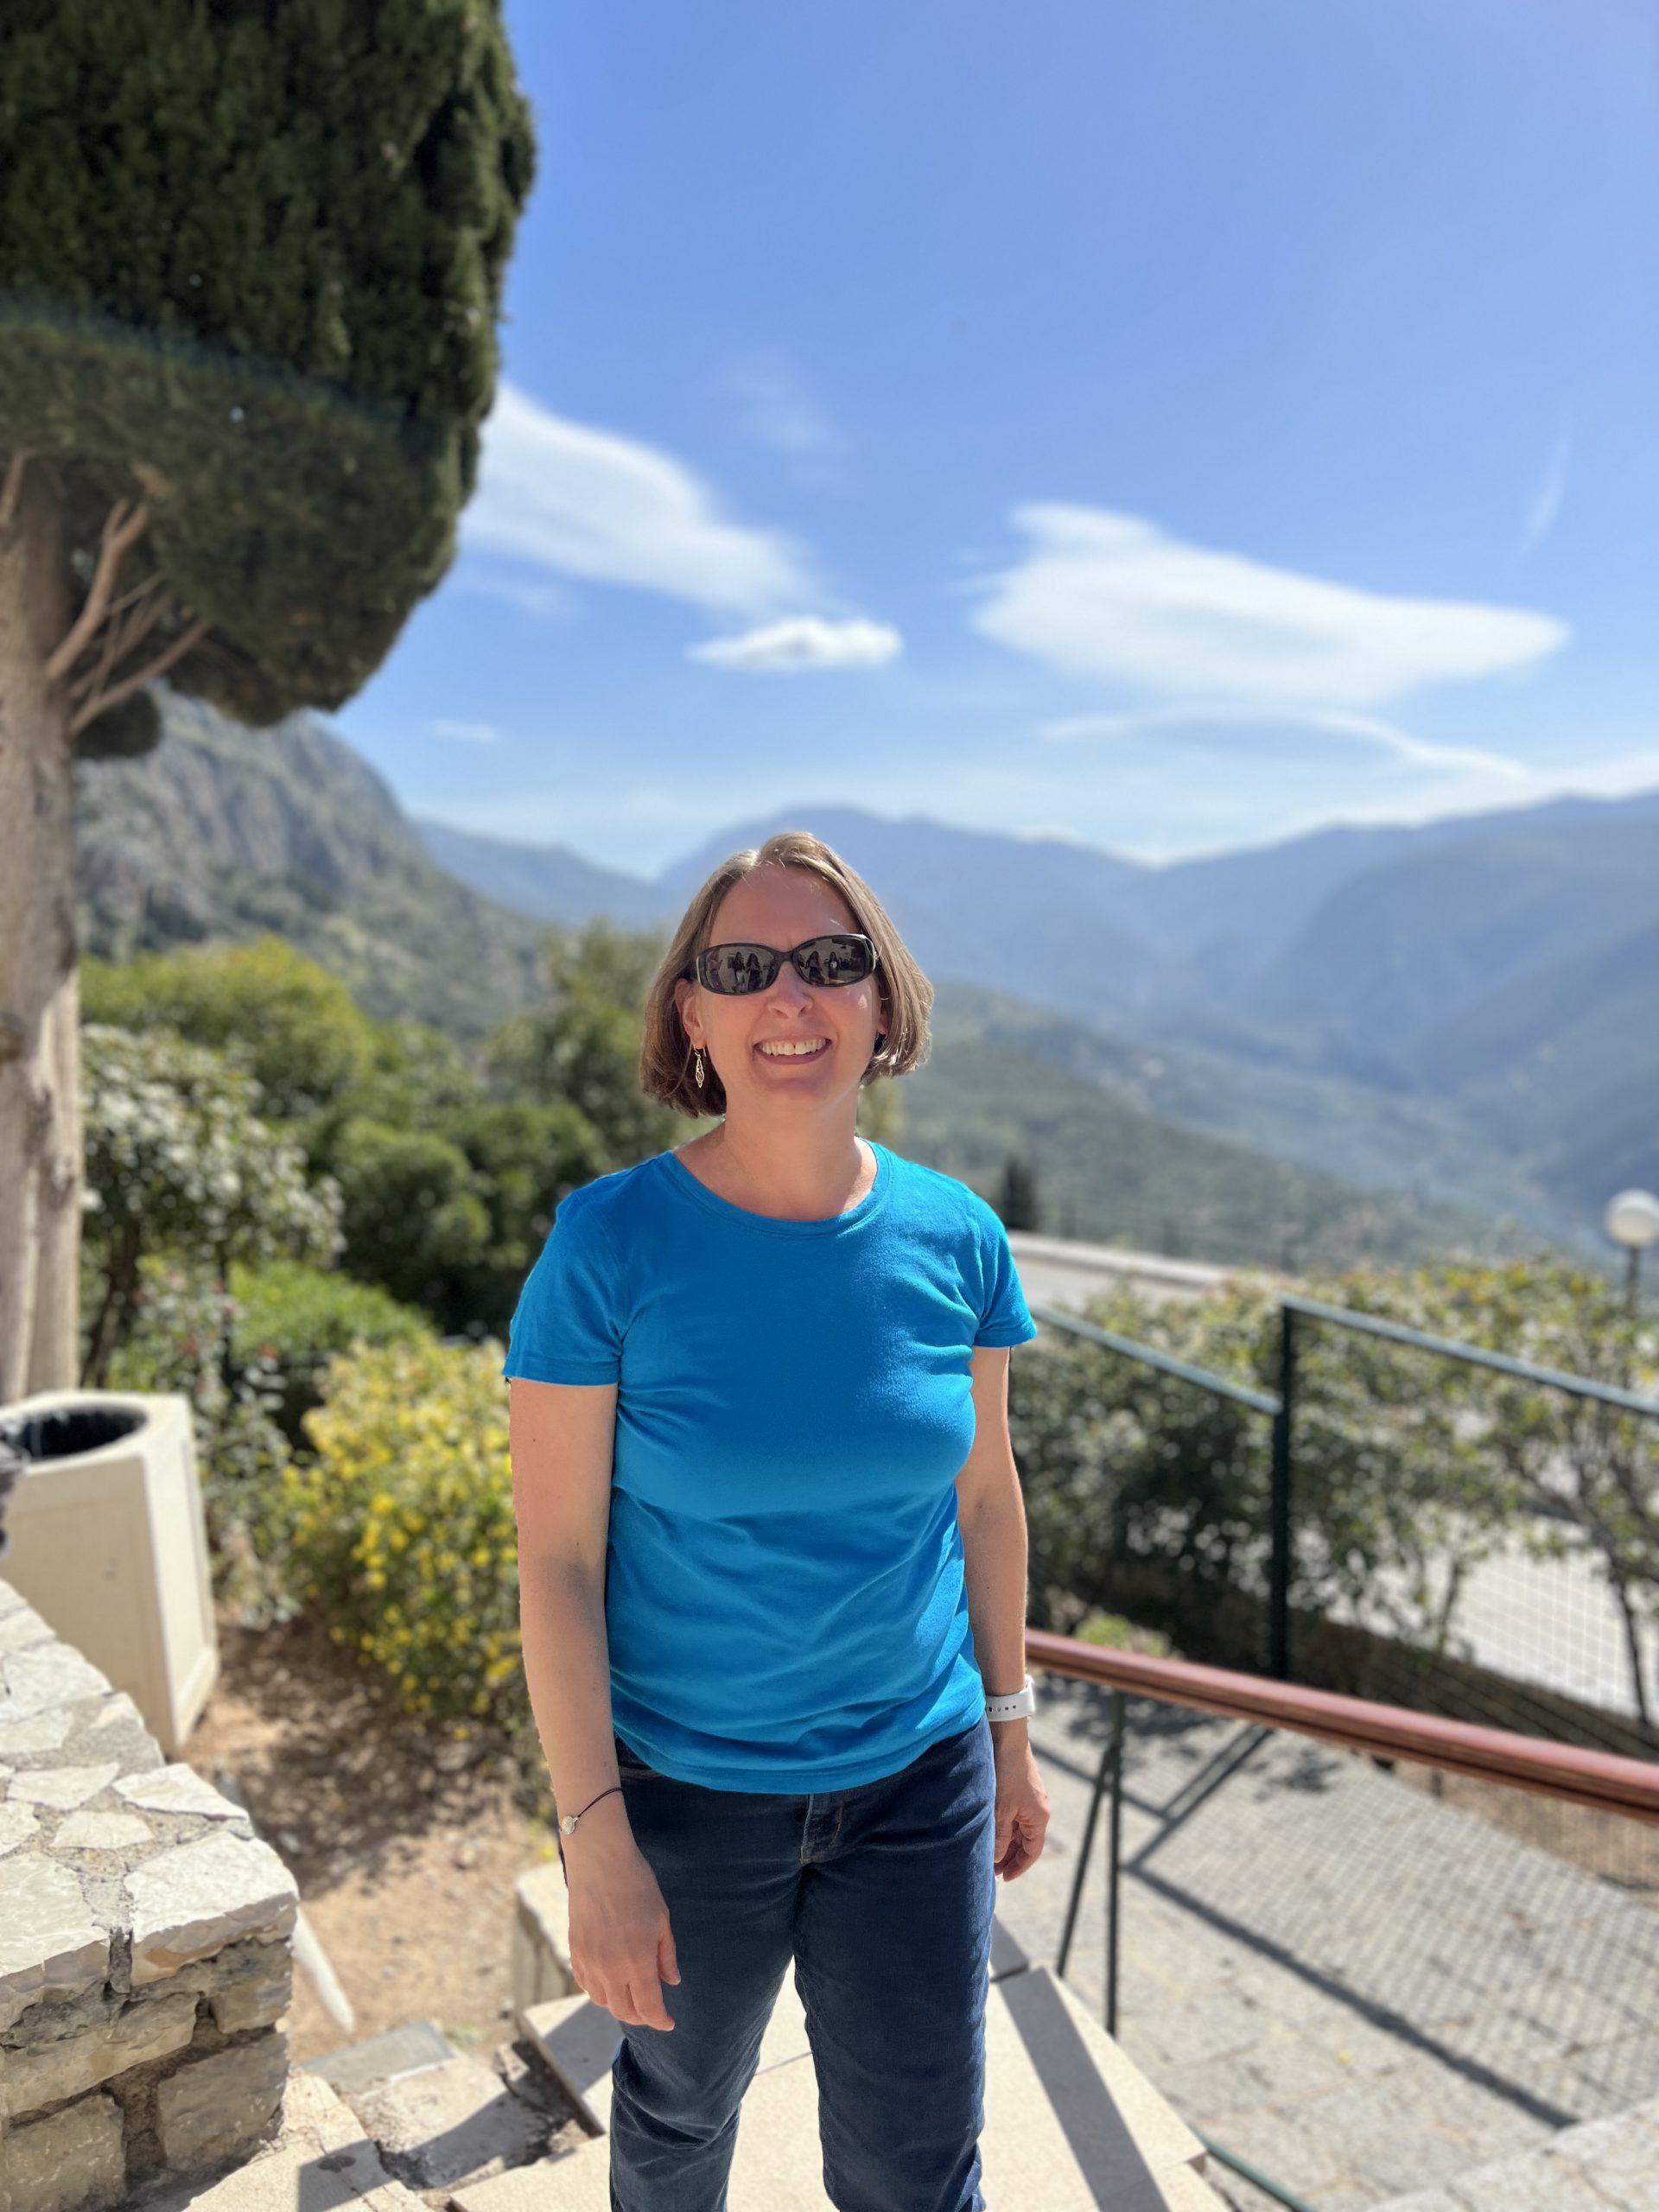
565	497
778	412
466	733
1547	499
803	642
1256	730
539	596
1107	595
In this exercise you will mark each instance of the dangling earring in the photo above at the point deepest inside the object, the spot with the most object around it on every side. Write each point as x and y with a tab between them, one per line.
696	1067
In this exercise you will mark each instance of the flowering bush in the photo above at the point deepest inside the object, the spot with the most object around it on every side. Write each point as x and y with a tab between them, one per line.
178	1159
403	1528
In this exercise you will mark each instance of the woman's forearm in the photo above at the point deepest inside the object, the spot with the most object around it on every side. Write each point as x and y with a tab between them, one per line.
568	1676
994	1555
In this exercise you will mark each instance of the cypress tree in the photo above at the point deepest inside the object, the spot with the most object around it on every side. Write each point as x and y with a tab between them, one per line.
251	265
1017	1201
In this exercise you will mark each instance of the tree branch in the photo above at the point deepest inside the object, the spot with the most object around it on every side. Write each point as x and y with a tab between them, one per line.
100	703
12	490
123	525
121	634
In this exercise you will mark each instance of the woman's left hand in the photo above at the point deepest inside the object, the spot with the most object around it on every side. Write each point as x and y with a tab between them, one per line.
1021	1805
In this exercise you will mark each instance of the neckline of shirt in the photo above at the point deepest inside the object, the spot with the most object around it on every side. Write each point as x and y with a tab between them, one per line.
872	1201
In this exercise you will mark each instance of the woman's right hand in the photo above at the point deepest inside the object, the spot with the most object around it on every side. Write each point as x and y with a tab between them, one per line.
621	1945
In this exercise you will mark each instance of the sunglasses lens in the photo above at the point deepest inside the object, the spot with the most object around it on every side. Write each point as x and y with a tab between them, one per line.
737	969
831	960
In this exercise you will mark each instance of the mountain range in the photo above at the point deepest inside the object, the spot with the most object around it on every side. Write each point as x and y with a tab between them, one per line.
1378	1039
1467	1009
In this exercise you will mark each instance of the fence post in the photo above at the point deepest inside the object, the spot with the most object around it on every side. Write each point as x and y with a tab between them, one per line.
1114	1861
1279	1509
1102	1782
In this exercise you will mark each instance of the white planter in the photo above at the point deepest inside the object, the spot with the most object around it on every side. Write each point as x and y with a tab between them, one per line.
109	1544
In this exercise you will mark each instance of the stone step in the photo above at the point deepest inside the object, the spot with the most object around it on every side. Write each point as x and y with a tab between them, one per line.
580	2181
320	2160
1070	2123
1599	2166
357	2066
458	2121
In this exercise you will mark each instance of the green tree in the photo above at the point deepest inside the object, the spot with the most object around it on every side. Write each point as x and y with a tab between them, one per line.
1017	1201
582	1043
178	1159
251	259
293	1026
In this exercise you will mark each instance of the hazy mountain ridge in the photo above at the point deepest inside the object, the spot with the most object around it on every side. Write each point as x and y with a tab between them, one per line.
224	832
1467	998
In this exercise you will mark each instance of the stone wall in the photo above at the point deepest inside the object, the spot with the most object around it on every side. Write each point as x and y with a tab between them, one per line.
146	1947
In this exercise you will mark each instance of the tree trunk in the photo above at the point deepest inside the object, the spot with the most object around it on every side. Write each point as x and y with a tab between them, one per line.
40	1043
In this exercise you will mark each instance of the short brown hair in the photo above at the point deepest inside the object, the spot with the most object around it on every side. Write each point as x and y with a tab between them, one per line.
906	996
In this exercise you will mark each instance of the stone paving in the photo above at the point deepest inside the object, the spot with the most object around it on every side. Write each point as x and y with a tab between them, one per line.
1357	1989
1603	2165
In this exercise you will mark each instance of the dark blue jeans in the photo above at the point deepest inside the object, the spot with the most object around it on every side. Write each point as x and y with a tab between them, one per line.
882	1895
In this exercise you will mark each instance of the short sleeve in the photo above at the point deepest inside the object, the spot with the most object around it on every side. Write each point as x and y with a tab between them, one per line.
1005	1318
568	1324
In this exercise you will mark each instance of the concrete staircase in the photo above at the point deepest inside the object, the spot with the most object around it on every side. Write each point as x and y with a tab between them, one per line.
404	2122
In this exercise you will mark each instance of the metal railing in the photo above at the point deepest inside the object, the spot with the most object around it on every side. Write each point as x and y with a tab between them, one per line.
1279	1408
1599	1782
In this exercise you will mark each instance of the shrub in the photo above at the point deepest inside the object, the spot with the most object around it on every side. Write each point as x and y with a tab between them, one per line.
289	1022
293	1318
179	1161
1408	1466
403	1528
183	1340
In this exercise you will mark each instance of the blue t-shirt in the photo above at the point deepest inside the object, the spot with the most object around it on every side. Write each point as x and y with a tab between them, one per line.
784	1597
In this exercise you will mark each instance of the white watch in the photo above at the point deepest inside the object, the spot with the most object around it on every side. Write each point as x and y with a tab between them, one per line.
1017	1705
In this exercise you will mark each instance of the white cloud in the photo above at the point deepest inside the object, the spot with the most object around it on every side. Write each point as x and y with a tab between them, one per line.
1250	729
780	412
584	502
537	596
803	641
1107	595
466	733
1547	499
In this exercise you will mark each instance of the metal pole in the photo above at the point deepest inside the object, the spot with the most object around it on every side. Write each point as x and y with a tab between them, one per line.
1278	1506
1101	1780
1114	1858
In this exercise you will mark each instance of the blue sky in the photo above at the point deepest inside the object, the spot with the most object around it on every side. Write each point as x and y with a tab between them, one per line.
1170	425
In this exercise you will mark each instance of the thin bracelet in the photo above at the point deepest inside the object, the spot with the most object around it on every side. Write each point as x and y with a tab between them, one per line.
568	1820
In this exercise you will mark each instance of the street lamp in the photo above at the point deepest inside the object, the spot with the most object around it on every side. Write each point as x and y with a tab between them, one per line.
1632	1220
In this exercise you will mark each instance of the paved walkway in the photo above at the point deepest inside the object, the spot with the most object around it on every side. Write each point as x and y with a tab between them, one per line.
1349	1984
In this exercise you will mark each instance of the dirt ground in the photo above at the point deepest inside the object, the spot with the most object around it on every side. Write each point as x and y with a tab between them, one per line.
1622	1851
405	1848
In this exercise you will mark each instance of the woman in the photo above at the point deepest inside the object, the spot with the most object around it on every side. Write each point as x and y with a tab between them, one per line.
773	1565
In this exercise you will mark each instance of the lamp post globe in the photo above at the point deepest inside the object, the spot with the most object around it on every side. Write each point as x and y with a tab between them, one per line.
1632	1220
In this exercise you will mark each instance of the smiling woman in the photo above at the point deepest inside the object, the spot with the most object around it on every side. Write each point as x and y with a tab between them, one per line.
792	874
773	1557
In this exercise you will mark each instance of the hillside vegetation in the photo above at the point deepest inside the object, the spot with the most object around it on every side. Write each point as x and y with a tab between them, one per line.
225	833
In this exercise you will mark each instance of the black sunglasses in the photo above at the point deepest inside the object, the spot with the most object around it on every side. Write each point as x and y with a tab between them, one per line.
841	957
